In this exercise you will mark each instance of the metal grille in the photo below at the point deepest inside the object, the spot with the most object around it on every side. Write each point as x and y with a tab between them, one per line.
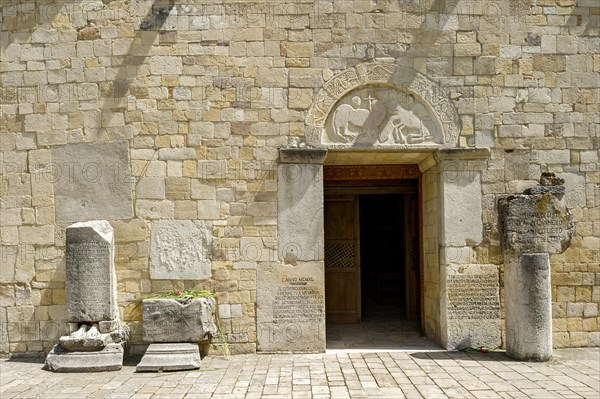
416	259
339	256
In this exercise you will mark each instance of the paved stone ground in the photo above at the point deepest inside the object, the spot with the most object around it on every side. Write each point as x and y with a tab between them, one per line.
573	373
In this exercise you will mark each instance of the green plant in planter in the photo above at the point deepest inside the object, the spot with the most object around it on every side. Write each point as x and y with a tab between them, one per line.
182	294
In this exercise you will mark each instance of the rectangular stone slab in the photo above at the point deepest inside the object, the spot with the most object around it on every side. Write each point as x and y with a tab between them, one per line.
170	357
167	320
534	223
108	359
180	250
91	181
90	272
291	307
471	307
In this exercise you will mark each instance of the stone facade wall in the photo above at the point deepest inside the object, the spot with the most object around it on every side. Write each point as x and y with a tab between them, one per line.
202	95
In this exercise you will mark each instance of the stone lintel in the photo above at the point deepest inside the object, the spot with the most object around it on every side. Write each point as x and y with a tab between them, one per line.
302	155
472	159
455	154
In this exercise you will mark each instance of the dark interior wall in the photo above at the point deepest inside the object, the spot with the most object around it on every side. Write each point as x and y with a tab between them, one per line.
382	247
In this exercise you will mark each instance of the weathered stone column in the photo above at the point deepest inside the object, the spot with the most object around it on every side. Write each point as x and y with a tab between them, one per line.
534	225
291	290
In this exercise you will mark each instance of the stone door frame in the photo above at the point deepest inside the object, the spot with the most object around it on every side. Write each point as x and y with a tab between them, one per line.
376	173
451	179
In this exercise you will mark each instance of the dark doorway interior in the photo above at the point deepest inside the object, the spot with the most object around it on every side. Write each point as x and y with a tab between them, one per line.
372	257
383	254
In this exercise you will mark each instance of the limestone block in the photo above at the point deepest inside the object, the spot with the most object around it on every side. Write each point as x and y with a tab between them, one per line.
299	49
300	212
108	359
208	209
180	250
170	357
150	188
463	222
90	280
471	305
38	235
176	320
291	307
166	65
131	230
209	170
176	153
574	189
549	62
92	181
554	157
148	209
534	223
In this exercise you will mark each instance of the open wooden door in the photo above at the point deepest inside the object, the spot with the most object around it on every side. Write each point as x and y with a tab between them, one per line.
412	257
342	259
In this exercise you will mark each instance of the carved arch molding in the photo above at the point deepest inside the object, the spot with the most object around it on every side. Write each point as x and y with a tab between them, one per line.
382	105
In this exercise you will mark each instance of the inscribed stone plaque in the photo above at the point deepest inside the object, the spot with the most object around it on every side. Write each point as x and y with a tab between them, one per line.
473	308
168	320
291	307
473	296
180	250
91	181
534	223
90	277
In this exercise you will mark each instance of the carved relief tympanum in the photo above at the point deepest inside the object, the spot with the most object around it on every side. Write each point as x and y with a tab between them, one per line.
381	116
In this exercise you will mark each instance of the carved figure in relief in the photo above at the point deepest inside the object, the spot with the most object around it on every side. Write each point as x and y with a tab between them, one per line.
405	127
347	115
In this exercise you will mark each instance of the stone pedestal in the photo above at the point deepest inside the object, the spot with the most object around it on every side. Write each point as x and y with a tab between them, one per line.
98	339
109	358
534	225
178	326
170	357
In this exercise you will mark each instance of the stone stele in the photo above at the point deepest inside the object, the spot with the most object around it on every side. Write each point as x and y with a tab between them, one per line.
180	250
90	276
537	223
91	181
291	307
169	320
472	307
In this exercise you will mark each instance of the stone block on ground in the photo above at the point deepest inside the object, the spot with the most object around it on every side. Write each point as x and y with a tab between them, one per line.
170	357
172	320
108	359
